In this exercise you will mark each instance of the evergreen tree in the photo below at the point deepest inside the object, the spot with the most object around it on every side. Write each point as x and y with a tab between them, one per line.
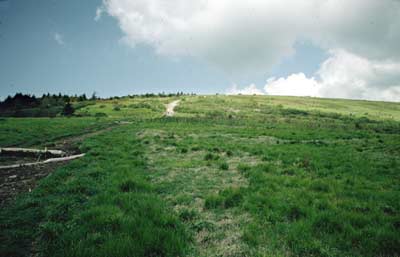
68	109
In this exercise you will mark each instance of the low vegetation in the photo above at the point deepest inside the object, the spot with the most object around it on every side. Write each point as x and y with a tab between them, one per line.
225	176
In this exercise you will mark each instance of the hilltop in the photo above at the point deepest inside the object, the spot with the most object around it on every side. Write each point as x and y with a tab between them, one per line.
207	176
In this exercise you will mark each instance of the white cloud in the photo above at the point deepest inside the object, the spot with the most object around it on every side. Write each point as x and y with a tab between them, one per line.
59	38
249	90
295	85
344	75
234	35
368	28
254	35
99	13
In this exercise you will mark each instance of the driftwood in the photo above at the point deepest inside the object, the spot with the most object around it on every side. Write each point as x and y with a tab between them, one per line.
51	160
14	150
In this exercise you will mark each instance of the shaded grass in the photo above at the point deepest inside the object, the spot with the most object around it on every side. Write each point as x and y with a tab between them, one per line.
226	198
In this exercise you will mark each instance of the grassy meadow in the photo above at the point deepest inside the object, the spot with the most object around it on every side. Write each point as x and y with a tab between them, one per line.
225	176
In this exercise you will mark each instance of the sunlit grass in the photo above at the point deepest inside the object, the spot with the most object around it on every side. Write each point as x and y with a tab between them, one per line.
227	176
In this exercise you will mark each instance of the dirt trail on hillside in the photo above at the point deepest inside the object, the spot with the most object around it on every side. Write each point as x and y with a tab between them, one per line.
170	108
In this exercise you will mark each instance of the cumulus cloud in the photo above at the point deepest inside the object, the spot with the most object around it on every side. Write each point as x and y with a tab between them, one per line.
249	90
368	28
254	35
99	13
234	35
344	75
59	38
295	85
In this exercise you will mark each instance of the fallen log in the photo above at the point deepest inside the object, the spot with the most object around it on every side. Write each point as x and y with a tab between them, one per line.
51	160
122	122
14	150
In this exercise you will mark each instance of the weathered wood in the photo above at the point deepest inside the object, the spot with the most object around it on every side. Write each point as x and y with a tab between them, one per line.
11	150
121	122
61	159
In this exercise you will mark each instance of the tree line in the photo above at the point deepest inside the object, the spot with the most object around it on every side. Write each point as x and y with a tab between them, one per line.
48	105
51	105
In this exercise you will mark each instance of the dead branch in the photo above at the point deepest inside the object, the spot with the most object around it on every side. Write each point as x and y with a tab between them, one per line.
51	160
11	150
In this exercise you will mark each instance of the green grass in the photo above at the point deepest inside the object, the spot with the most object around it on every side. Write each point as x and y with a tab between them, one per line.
227	176
126	108
101	205
39	131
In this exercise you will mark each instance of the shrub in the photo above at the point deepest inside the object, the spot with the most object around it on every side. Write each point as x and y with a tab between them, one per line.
140	105
68	110
210	157
195	148
100	115
293	112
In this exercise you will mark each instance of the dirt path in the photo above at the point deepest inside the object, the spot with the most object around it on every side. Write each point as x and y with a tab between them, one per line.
170	108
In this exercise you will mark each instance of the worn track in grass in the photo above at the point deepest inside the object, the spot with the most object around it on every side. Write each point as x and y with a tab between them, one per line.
16	180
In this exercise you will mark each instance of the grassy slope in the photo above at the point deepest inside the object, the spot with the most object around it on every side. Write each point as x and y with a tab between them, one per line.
101	205
39	131
256	176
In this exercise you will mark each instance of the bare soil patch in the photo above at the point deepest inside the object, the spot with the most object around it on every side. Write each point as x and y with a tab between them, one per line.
24	178
170	108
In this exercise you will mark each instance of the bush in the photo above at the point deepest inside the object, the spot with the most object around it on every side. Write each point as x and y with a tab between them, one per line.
100	115
68	109
140	105
294	112
210	157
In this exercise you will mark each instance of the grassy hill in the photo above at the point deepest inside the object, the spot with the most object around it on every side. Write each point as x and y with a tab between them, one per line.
226	176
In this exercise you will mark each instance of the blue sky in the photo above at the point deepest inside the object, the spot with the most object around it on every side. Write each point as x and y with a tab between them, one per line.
345	49
91	56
